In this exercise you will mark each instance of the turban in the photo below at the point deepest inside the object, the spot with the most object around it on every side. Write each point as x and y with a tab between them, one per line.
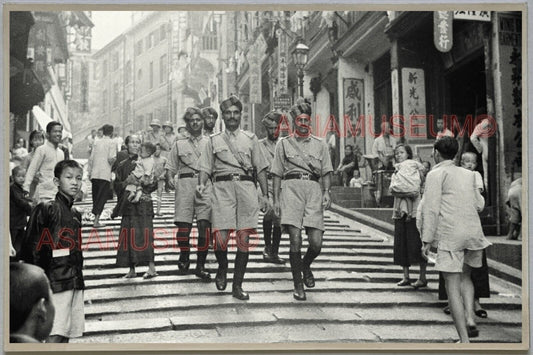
210	111
230	101
272	119
190	111
301	109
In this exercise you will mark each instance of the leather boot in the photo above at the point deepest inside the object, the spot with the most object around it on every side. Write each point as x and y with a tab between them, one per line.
241	260
295	259
184	263
221	279
200	270
310	255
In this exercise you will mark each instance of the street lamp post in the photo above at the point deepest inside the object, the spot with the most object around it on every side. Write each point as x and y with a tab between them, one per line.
299	57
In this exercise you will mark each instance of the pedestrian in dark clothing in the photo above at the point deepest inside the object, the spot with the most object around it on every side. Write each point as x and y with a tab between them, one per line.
19	207
52	242
136	241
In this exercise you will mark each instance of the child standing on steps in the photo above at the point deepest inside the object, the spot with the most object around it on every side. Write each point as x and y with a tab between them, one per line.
406	180
59	253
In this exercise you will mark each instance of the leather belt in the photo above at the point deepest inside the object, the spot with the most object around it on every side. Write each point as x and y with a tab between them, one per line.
300	176
233	177
187	175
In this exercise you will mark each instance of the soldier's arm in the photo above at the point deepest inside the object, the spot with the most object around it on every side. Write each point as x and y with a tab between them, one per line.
262	179
205	166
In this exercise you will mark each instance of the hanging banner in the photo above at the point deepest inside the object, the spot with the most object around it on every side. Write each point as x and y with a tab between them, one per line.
353	109
443	30
472	15
254	73
414	103
282	62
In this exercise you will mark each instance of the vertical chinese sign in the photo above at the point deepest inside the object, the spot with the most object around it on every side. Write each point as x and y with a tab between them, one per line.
255	76
443	30
40	45
414	103
353	109
282	62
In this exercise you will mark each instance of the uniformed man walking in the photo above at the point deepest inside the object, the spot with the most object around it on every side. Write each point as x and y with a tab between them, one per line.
271	222
302	161
229	158
183	176
210	119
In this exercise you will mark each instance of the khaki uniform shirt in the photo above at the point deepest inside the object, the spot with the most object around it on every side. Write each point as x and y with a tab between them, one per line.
288	160
217	158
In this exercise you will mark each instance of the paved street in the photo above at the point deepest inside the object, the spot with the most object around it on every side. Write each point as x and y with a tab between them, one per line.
355	299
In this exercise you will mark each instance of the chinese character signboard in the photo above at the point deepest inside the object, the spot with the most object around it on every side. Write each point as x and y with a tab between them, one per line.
414	103
255	77
353	110
443	30
282	102
472	15
282	62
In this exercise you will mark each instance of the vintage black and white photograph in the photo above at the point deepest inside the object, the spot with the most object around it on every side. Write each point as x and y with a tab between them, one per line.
266	176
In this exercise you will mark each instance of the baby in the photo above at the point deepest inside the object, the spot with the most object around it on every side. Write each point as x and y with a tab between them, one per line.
356	181
469	161
406	181
142	174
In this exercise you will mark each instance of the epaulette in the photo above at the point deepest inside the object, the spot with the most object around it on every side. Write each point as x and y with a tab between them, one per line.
286	137
248	134
181	138
317	138
215	134
263	140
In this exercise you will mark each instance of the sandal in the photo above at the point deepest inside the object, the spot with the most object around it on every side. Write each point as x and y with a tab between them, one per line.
481	313
129	276
404	283
446	310
148	275
418	284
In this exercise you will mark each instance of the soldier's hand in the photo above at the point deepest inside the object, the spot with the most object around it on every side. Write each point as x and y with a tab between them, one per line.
277	209
171	182
200	188
425	250
326	200
263	204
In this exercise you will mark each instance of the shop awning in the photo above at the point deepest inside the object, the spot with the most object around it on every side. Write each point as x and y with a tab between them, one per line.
43	119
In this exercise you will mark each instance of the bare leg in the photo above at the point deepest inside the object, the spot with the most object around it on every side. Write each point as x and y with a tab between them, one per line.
467	291
453	287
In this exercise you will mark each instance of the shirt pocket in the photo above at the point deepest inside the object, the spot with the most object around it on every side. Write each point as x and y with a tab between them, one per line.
223	152
315	158
186	156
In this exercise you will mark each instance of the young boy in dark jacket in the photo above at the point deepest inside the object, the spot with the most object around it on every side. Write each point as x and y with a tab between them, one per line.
53	242
19	207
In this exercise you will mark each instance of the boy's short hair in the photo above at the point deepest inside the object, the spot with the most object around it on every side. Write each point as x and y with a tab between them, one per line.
16	170
348	146
51	125
62	165
108	130
407	148
149	146
447	147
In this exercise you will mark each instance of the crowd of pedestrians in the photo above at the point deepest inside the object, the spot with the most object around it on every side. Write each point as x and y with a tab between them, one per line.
223	180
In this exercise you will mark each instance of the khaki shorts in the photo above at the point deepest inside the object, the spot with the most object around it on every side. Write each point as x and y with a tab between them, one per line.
69	320
453	261
301	204
187	204
235	205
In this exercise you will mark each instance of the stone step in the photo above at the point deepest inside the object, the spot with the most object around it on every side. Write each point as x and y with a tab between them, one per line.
315	297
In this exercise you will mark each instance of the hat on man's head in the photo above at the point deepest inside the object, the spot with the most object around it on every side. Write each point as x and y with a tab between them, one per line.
231	101
168	124
272	119
192	111
155	122
210	111
301	107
